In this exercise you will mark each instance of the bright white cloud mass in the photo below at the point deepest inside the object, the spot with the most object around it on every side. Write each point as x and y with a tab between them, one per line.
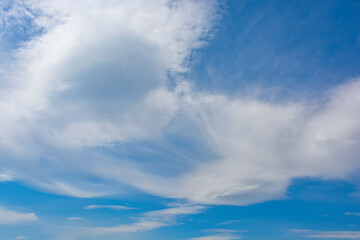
96	78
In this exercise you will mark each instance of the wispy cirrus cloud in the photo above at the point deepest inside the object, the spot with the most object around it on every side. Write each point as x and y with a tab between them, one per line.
217	237
114	207
352	214
328	234
75	218
220	234
21	237
230	222
153	219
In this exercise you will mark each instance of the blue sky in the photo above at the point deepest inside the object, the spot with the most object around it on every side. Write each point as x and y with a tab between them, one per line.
184	120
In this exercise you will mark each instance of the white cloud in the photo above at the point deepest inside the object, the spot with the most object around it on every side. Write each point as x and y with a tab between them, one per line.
329	234
352	214
229	222
221	234
95	82
6	177
153	219
218	237
75	218
95	77
114	207
223	230
12	217
99	62
130	228
20	237
261	147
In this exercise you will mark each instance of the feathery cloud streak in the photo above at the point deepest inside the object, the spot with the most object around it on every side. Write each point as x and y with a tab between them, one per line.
153	219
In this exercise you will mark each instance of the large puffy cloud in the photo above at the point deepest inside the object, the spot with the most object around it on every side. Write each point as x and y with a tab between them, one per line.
95	63
95	75
88	109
